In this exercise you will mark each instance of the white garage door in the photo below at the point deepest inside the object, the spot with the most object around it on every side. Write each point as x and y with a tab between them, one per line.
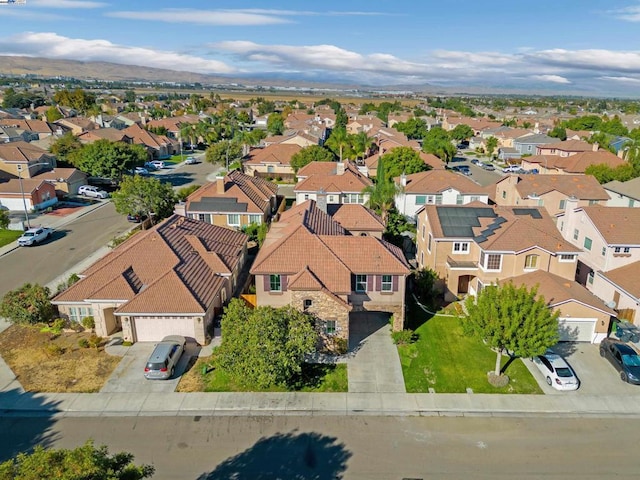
155	329
577	329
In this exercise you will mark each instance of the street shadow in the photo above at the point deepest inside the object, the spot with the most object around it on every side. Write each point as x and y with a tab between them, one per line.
55	235
178	179
294	456
26	420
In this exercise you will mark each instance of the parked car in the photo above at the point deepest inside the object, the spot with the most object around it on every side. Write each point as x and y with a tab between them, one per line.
511	169
556	371
135	218
91	191
164	358
475	161
464	169
157	164
489	167
149	166
624	359
140	171
533	171
33	236
191	160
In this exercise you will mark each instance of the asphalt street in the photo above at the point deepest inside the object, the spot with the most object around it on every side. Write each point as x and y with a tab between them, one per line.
363	447
68	246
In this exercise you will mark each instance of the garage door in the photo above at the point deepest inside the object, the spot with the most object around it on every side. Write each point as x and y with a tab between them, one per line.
577	329
155	329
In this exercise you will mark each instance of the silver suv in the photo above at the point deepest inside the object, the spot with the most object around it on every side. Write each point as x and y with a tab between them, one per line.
91	191
164	358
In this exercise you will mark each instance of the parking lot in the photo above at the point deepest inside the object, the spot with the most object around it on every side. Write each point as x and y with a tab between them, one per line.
129	374
597	376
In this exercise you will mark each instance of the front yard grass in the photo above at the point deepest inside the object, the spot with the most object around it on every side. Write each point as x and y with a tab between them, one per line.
314	378
444	359
8	236
46	362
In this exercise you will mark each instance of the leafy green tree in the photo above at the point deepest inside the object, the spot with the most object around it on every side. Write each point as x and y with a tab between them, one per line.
438	142
403	160
603	140
65	146
614	127
77	99
361	143
341	119
587	122
129	96
461	132
159	130
367	107
275	124
148	196
184	192
81	463
559	133
257	232
387	107
13	99
4	219
511	319
312	153
382	193
266	346
223	153
28	304
52	114
414	128
425	283
266	106
491	144
107	159
605	174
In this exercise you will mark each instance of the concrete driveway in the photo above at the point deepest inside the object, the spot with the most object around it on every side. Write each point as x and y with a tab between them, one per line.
597	376
128	376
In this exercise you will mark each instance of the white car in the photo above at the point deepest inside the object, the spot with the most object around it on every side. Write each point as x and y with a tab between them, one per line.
140	171
191	160
91	191
556	371
33	236
511	169
157	164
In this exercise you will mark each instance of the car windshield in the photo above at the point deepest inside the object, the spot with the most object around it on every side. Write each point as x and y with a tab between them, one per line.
27	234
564	372
631	360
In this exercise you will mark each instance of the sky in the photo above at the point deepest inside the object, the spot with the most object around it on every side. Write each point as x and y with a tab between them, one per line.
554	46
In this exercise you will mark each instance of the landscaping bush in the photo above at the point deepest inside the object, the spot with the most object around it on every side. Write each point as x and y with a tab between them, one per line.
404	337
28	304
95	341
83	343
53	350
88	322
338	345
425	283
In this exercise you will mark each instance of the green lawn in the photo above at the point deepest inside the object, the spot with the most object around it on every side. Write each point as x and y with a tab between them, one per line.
8	236
314	378
446	360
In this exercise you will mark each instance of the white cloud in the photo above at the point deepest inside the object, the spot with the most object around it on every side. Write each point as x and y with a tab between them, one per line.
551	78
52	45
629	14
66	4
204	17
593	59
630	80
32	15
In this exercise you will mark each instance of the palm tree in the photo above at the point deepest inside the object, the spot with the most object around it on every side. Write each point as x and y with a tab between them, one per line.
382	193
361	143
338	141
186	132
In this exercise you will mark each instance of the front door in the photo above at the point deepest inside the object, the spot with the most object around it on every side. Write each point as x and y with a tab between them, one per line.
463	284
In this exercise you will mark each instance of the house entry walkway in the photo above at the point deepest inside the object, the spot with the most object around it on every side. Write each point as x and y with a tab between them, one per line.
375	367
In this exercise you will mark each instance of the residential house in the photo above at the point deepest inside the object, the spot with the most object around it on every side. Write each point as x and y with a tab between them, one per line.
272	161
310	262
435	187
75	125
549	191
528	144
576	163
110	134
364	123
473	246
342	184
158	146
623	194
357	219
65	180
295	137
34	129
174	124
170	280
566	148
505	135
29	194
233	201
478	125
609	237
583	316
25	159
620	289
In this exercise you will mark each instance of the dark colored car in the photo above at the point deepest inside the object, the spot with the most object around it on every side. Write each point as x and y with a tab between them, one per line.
489	166
623	357
475	161
135	218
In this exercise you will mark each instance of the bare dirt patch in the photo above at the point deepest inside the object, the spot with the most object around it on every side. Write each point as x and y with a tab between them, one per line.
191	380
46	362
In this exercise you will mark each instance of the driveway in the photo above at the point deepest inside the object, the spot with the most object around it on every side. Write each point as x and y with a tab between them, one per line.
128	376
597	376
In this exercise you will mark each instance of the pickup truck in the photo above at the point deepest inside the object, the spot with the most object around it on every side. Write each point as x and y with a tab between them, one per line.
34	236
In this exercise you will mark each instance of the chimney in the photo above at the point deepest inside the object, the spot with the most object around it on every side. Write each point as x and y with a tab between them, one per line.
340	168
321	201
403	180
220	185
596	146
536	128
620	153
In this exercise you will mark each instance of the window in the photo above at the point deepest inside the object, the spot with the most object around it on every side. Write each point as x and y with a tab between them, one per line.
622	250
631	202
626	250
567	257
593	202
504	194
307	303
563	204
233	220
202	217
474	199
561	226
424	229
331	199
422	259
353	198
604	251
490	261
257	219
617	250
387	283
270	169
429	243
587	243
361	283
330	327
590	278
531	261
438	199
275	283
429	198
540	202
460	247
576	233
459	199
306	196
76	314
421	199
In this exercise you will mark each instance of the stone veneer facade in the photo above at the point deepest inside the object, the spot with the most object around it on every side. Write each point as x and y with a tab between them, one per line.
324	307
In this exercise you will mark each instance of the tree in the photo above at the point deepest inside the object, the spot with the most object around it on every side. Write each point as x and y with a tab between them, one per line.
64	146
437	142
382	193
107	159
461	132
511	319
491	143
403	160
266	346
184	192
85	462
414	128
361	143
605	174
223	153
338	141
145	196
275	124
559	133
4	219
312	153
78	99
129	96
28	304
53	114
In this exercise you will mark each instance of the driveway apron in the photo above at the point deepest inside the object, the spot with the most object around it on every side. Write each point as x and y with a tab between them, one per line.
374	367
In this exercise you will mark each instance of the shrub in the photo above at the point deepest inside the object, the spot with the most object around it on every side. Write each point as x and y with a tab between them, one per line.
53	350
28	304
95	341
340	345
425	283
83	343
88	322
404	337
127	344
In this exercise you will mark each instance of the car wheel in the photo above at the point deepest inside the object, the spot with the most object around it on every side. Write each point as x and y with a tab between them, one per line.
623	377
602	352
549	381
173	371
49	235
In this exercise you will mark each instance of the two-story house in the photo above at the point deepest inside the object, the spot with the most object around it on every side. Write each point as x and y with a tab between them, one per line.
576	163
528	144
24	159
548	191
234	201
309	261
340	183
566	148
435	187
623	194
272	161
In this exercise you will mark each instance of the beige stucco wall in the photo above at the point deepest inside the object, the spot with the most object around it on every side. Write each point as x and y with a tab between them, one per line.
573	309
251	169
606	291
274	299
